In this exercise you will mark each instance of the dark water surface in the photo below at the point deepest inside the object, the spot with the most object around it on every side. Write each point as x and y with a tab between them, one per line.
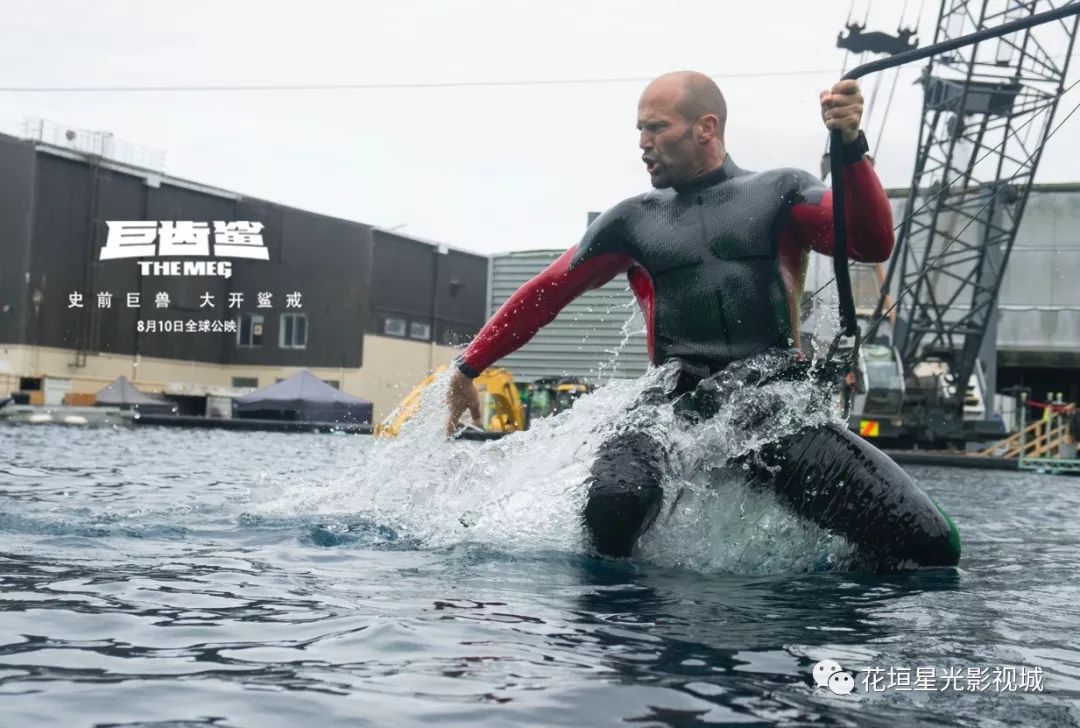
144	582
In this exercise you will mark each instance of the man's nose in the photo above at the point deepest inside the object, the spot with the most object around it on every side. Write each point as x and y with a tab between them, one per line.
645	141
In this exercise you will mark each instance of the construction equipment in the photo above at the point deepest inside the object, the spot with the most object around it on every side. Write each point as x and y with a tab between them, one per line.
987	113
500	405
500	402
551	395
504	405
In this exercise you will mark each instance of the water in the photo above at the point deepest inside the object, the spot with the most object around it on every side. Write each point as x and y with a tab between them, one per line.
178	578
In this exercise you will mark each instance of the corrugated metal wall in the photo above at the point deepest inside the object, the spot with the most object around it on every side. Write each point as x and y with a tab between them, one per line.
583	339
1040	296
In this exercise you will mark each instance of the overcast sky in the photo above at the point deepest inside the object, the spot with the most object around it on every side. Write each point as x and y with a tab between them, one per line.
485	168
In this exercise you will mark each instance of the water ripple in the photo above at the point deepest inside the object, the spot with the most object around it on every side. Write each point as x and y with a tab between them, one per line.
186	578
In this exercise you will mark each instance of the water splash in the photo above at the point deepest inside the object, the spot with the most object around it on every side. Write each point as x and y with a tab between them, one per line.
633	325
525	492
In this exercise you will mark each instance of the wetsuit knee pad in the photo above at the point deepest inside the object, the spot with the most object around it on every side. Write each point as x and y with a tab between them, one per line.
624	492
843	483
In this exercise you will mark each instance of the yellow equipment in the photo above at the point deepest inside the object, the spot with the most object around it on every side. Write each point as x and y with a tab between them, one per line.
552	395
500	404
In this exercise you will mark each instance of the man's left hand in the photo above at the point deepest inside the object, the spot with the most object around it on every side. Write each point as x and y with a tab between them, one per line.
841	108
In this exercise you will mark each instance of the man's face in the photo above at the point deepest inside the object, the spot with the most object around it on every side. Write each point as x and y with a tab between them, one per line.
667	141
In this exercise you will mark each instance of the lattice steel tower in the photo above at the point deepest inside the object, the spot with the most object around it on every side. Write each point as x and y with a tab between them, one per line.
987	111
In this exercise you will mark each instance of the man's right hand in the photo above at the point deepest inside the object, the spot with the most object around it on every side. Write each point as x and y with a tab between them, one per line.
462	396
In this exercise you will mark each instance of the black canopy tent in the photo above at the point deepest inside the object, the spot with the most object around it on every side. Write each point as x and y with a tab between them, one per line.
123	394
306	398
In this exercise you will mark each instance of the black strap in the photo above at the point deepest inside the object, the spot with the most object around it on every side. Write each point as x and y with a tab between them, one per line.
848	327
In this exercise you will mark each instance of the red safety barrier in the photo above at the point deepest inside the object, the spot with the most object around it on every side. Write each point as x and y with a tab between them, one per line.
1054	406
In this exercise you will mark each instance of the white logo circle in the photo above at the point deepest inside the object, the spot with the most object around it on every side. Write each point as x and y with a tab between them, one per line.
841	683
824	670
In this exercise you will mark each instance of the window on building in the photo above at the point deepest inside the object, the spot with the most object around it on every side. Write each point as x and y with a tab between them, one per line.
394	326
245	382
293	333
419	330
250	330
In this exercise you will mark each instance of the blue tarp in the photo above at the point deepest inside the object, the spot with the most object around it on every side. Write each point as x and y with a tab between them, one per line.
123	394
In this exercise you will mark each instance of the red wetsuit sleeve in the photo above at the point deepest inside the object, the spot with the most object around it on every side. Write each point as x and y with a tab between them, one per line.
536	304
869	219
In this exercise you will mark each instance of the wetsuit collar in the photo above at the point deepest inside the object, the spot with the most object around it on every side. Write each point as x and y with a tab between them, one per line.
723	172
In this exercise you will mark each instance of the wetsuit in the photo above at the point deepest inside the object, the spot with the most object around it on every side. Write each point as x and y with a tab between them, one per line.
717	266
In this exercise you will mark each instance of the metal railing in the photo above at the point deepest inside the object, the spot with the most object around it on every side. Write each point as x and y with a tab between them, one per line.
1045	445
100	144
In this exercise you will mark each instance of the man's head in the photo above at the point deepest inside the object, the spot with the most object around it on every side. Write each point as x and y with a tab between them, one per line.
681	118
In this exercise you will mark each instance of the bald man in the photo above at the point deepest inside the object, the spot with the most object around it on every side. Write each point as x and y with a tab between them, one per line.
716	257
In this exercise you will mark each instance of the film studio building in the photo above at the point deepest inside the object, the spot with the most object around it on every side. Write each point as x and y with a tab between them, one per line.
111	269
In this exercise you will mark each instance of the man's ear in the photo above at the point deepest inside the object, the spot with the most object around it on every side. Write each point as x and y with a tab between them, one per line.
709	127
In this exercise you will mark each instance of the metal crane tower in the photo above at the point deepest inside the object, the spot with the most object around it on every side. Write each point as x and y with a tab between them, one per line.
987	112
